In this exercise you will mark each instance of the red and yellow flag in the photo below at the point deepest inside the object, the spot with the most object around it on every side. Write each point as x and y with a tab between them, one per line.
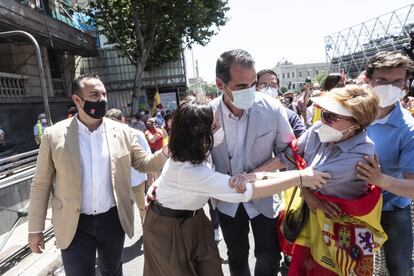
335	246
341	246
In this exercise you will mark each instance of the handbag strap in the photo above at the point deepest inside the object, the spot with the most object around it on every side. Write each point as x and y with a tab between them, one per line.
299	162
291	199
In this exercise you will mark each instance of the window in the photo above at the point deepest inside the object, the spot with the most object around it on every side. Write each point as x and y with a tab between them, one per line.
293	86
317	72
283	75
300	74
308	73
288	75
293	74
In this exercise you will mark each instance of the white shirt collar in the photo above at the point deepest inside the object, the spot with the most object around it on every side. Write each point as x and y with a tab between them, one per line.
84	129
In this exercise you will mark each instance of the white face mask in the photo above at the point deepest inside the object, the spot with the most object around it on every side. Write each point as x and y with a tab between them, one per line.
270	91
244	99
388	94
218	137
329	134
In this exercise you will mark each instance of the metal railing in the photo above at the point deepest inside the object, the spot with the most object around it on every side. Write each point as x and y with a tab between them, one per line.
12	85
15	170
8	167
16	163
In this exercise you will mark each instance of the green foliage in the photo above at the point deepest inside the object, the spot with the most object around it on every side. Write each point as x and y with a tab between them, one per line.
210	89
283	89
320	78
152	32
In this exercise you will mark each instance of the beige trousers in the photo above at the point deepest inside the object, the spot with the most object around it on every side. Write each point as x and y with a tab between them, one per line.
179	246
139	193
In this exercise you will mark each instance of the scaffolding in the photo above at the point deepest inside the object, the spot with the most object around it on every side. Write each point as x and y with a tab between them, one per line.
350	49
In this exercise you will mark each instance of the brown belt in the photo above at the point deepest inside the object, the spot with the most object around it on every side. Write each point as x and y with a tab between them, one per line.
167	212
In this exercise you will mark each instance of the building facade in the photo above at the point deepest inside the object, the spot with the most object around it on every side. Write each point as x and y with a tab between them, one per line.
61	39
293	76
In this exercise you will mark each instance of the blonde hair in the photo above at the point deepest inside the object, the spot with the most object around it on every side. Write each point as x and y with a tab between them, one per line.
360	101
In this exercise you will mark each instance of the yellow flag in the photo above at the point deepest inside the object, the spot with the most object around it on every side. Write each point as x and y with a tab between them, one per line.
157	101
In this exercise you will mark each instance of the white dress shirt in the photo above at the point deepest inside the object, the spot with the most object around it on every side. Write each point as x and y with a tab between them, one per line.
184	186
137	177
97	192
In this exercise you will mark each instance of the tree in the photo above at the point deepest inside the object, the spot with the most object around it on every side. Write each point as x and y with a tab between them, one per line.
283	89
152	32
320	78
209	89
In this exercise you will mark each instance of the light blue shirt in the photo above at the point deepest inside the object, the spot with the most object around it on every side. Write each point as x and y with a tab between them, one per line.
339	159
394	144
160	121
235	130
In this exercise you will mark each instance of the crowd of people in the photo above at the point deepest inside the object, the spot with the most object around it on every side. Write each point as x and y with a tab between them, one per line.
337	157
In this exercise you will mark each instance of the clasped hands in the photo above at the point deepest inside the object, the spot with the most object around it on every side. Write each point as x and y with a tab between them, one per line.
310	178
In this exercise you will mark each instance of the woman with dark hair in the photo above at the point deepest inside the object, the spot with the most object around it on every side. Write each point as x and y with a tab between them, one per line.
333	80
178	237
168	121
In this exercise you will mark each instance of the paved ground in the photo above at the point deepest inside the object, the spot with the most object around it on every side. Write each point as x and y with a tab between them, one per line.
134	256
49	263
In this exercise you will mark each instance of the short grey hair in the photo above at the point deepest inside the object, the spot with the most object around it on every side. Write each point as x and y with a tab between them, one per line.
227	59
114	114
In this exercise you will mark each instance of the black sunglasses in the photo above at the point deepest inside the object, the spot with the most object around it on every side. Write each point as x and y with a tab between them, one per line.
330	117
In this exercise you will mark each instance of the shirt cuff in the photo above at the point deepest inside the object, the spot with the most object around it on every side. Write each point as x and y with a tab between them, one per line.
249	191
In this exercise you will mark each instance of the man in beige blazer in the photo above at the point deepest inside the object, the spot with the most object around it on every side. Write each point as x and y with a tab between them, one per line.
84	163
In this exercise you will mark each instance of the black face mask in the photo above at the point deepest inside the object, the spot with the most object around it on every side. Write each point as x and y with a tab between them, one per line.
95	110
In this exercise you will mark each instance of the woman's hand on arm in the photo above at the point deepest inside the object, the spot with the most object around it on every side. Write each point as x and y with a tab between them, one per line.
312	178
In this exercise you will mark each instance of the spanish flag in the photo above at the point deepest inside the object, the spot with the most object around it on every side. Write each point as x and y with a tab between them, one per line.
342	246
337	246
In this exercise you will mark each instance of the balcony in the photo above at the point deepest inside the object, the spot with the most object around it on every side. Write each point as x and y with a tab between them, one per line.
15	15
16	86
12	85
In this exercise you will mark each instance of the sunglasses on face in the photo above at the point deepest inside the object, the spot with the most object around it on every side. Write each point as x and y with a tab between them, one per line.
330	117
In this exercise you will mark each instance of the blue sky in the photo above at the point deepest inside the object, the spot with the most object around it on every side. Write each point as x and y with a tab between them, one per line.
294	29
